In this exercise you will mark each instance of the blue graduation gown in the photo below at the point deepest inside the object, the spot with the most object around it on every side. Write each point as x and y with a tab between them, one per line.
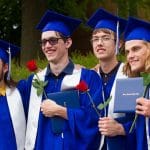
7	134
81	128
117	142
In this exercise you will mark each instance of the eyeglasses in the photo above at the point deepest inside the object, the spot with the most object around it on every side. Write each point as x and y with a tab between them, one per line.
51	40
103	39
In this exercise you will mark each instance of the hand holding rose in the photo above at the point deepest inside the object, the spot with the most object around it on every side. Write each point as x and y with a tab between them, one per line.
110	127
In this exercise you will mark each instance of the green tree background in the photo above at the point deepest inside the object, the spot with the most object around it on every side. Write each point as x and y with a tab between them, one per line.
18	19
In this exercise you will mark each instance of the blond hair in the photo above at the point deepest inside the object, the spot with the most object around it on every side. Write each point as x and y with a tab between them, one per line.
127	68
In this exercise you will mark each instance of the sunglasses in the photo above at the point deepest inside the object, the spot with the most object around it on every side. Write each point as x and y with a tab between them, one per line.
51	41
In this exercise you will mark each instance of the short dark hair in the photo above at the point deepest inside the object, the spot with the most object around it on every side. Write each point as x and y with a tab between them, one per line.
105	30
64	38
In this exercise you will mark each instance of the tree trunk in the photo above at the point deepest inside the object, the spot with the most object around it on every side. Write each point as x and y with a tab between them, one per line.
32	10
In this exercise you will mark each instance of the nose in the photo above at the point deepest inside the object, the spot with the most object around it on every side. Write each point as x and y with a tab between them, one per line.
100	41
130	55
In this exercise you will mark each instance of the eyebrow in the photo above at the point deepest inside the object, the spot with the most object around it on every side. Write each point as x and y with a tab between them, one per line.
101	36
50	37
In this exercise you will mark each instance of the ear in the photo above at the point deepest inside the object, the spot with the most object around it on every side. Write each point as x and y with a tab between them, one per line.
68	43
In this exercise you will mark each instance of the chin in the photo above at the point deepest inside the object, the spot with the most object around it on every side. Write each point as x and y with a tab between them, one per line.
50	59
103	57
136	70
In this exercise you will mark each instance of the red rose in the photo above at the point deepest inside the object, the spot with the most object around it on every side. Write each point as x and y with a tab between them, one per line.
31	65
82	86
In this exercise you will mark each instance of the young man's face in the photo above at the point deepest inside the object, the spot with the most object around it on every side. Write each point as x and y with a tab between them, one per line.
53	46
136	53
103	45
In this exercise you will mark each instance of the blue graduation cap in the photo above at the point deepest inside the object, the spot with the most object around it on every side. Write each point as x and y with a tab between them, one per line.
103	19
7	51
58	22
137	30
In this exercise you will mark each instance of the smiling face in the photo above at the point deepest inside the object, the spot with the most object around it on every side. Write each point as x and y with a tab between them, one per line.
54	46
136	53
103	43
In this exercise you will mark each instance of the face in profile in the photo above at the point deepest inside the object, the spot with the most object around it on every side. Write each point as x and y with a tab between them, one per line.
136	54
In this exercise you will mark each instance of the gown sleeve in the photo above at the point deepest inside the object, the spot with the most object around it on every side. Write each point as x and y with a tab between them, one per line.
84	121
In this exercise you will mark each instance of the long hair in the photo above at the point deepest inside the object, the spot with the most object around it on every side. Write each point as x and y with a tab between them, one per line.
10	83
127	68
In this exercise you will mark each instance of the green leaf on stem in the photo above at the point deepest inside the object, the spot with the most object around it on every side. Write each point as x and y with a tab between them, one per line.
146	78
45	83
39	91
133	124
104	105
36	84
39	85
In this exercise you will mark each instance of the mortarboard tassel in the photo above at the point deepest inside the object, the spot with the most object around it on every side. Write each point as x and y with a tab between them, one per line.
117	38
9	64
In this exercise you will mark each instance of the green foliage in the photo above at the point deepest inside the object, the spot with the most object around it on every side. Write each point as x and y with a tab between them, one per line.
89	61
10	20
74	8
21	72
121	57
146	78
131	8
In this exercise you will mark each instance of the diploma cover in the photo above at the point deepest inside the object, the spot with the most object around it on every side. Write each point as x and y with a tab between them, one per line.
69	99
126	93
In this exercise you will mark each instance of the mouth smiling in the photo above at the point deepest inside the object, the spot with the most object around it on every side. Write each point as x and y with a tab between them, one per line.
50	51
133	62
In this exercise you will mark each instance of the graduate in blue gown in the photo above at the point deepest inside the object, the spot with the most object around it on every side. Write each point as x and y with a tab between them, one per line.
105	40
137	49
80	130
12	104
